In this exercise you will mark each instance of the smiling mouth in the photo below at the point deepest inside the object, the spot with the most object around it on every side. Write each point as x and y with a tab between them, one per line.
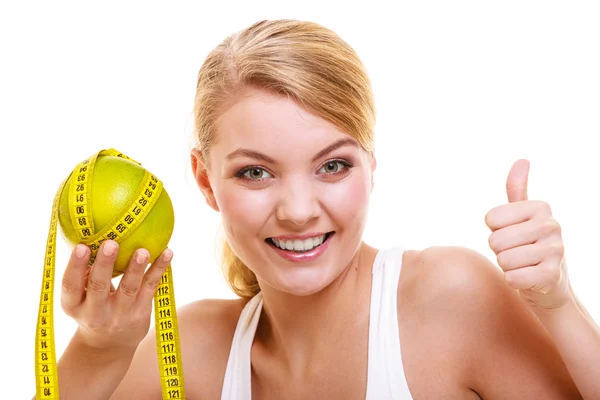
298	245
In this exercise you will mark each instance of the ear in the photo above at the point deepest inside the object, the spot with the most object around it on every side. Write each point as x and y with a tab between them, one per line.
201	175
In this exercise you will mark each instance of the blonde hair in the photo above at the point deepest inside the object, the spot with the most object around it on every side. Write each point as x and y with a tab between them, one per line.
302	60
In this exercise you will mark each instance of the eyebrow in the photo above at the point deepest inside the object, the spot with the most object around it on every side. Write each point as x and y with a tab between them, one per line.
241	152
334	146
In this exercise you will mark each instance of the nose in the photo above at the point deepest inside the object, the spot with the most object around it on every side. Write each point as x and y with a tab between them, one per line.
298	202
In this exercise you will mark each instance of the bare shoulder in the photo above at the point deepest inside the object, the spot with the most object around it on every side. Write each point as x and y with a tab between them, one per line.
213	318
455	301
443	270
454	276
206	329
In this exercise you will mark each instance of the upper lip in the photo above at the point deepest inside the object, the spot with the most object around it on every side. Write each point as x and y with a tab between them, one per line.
299	237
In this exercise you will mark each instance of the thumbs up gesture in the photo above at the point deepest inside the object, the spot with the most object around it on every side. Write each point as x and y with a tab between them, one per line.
528	243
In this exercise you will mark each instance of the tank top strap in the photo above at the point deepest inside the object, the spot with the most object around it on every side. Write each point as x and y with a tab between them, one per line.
238	378
385	378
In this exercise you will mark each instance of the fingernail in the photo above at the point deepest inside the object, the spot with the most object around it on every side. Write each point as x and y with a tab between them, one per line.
142	257
80	251
167	255
109	248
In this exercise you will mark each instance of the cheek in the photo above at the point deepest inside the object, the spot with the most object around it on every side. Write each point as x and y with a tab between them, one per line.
243	209
348	200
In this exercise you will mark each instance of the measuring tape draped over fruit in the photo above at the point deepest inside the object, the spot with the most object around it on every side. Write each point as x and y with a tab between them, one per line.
111	196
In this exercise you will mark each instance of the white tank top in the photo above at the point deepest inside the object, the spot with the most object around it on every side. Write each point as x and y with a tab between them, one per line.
385	376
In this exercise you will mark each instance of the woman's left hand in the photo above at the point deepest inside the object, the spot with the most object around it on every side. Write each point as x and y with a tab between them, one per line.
528	243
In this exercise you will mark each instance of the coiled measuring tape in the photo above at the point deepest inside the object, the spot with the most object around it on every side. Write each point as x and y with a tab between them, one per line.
165	314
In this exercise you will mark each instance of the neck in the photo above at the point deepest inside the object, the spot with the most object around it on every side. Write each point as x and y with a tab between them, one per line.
297	329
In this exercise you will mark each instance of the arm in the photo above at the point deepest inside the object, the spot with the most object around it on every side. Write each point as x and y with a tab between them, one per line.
142	379
504	350
83	365
577	338
583	310
527	241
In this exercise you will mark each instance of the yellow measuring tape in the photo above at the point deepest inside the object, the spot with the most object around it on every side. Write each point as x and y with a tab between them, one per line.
125	222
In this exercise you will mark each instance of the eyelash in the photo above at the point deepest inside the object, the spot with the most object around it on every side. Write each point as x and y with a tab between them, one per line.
241	173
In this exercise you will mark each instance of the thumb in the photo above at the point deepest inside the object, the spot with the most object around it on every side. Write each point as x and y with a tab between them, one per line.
516	182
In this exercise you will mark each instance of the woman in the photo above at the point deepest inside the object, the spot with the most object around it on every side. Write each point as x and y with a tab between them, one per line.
284	121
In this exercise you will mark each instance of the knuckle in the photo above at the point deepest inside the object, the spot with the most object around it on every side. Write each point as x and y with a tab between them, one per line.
502	259
492	242
139	319
549	227
117	326
553	226
69	286
550	274
543	207
152	283
556	249
135	270
68	309
490	219
495	242
128	289
95	285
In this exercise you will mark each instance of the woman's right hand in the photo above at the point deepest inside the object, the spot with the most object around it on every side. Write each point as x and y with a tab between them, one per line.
109	318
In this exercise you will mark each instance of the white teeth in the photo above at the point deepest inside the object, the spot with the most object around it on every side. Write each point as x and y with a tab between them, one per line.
299	245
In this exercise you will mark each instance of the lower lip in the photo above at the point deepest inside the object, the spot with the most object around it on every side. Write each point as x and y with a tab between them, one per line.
304	256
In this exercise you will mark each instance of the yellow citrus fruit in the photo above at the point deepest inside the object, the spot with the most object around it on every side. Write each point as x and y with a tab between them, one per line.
114	182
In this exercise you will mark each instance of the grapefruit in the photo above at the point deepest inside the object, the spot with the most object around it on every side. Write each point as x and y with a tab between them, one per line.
114	182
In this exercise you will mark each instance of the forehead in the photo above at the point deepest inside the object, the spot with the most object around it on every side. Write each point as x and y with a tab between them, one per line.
258	118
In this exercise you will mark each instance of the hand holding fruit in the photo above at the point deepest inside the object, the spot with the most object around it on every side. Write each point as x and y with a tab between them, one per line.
119	216
111	318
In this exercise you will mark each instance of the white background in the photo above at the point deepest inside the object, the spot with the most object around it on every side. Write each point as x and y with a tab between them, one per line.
462	88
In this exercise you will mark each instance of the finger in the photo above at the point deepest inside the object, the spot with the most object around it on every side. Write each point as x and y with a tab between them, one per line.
545	251
516	213
524	256
152	278
99	280
524	233
539	278
73	282
129	287
87	274
516	182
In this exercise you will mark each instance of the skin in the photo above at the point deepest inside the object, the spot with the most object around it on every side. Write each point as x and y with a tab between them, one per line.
528	244
465	333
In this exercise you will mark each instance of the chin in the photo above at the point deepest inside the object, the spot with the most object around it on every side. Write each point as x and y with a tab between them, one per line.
302	292
303	283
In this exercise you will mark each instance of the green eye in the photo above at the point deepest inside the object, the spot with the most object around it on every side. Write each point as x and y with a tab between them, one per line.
334	166
254	174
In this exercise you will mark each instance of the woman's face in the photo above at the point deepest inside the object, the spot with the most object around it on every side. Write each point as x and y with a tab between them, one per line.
282	177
